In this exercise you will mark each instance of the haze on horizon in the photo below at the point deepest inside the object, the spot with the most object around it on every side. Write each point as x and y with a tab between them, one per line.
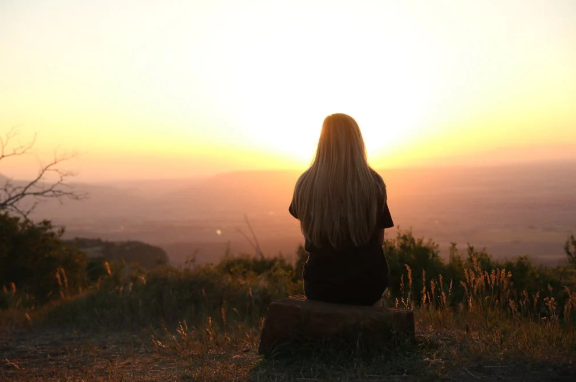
155	89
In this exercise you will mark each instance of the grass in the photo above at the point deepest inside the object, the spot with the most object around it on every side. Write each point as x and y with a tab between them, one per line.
458	347
203	324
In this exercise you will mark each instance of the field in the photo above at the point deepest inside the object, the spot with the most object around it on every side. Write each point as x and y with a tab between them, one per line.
440	354
202	324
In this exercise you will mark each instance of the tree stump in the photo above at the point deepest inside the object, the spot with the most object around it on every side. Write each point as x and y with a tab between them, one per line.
295	318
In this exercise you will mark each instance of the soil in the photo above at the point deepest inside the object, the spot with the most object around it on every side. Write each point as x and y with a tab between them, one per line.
60	355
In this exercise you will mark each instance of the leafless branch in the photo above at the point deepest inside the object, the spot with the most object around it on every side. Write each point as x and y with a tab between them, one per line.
21	149
39	189
254	241
570	249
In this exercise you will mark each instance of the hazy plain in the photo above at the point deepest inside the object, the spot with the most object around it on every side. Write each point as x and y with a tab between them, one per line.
510	210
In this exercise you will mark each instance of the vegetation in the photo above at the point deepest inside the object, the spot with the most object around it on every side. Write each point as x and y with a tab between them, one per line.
475	317
35	266
418	262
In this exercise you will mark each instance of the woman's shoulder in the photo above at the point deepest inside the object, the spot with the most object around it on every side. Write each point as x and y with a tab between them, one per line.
304	174
377	178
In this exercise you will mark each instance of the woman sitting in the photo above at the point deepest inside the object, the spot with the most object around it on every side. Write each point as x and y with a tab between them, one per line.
341	204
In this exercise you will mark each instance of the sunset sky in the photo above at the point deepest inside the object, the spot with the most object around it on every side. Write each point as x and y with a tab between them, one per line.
157	89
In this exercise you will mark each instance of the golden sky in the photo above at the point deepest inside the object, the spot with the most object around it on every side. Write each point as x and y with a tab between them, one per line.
155	89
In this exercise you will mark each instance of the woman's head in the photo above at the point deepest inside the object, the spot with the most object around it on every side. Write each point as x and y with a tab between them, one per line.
338	197
341	142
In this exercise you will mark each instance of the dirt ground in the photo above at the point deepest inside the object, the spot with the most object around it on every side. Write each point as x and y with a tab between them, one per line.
60	355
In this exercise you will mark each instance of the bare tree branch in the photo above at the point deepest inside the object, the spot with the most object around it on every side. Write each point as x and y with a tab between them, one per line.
40	188
570	249
254	241
16	151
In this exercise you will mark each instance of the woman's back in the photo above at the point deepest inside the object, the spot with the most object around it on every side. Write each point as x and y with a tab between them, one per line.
342	206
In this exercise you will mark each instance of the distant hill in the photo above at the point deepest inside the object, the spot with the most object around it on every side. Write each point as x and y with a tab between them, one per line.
146	255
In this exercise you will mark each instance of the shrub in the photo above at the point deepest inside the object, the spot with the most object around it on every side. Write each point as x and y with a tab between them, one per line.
411	259
36	262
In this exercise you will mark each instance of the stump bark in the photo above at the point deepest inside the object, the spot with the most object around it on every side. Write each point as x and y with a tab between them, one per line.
294	319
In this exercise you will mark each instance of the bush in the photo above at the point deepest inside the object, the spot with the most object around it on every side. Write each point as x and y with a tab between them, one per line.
411	260
34	261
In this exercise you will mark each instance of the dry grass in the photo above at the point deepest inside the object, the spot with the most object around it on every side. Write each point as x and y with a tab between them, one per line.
204	325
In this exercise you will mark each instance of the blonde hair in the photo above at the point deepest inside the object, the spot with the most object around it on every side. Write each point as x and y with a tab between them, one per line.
338	197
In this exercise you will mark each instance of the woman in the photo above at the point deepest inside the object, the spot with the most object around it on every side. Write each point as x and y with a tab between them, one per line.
341	204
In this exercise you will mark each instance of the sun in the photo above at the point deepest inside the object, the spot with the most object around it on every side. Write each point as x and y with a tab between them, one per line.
295	134
278	92
285	116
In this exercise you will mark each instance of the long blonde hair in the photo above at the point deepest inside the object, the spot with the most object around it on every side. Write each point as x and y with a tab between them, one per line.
338	197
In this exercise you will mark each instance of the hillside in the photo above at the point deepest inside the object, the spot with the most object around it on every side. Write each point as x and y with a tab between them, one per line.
134	252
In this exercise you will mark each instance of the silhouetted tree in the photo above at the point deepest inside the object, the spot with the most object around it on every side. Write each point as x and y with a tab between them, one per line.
51	182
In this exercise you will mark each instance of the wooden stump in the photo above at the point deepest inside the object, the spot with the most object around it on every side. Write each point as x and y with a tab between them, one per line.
296	317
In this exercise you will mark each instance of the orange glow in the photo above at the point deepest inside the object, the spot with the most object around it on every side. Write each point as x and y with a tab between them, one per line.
198	87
